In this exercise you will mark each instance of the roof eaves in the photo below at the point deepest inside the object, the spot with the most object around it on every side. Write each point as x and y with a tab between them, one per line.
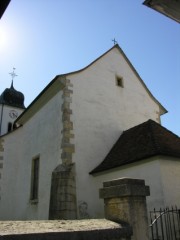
96	170
115	168
138	76
41	93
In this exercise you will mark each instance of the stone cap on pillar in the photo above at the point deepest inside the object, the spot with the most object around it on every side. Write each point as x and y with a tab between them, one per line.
124	187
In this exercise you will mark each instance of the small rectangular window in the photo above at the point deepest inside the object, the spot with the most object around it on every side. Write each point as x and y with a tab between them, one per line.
34	179
9	127
119	82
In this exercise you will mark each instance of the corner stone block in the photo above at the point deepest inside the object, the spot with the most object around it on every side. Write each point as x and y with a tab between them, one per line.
67	91
65	155
63	80
66	117
68	148
1	149
69	84
65	105
67	134
67	99
68	125
66	110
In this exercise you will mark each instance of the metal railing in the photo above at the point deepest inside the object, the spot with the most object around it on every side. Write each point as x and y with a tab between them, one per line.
165	224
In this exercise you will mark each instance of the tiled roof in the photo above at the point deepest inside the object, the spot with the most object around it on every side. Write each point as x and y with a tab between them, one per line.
140	142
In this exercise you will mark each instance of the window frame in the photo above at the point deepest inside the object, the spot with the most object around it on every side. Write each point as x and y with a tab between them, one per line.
9	127
119	81
35	167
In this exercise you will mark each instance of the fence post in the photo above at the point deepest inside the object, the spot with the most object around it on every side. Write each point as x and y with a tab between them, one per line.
125	201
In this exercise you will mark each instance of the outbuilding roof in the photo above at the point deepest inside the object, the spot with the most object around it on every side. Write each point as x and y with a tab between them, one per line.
140	142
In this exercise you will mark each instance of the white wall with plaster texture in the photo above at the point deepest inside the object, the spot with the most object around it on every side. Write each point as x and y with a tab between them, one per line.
38	137
101	111
170	173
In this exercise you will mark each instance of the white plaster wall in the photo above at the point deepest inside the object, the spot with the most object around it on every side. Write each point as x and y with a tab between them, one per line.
101	111
148	170
39	136
4	111
170	172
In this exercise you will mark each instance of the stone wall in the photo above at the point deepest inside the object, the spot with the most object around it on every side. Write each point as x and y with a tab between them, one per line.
125	210
100	229
67	146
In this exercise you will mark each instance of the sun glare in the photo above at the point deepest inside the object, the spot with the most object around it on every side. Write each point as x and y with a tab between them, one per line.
3	38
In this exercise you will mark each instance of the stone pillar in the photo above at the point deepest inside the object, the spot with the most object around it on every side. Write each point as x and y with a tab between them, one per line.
125	201
63	193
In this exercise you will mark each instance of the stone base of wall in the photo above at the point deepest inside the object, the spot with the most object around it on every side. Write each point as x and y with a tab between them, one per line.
63	193
96	229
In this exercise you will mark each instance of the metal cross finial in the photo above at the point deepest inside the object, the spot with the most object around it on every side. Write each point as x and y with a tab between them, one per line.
114	41
13	75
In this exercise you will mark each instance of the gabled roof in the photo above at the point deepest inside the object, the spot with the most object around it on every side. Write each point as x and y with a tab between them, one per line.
48	92
26	114
162	109
140	142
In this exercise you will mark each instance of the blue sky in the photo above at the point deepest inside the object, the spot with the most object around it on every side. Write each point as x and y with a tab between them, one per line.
44	38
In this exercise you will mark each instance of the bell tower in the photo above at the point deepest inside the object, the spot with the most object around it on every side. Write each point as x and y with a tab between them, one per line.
11	106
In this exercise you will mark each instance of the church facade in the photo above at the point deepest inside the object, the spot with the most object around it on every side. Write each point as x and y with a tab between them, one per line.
64	144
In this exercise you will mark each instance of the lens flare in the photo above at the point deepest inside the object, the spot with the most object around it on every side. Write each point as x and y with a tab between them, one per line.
3	38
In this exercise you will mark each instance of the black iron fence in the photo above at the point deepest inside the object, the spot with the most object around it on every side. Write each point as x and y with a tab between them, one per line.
165	224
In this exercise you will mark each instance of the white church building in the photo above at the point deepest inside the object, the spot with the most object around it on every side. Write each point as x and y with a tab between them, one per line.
86	127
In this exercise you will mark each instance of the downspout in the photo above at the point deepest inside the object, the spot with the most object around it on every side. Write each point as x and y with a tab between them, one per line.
1	117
